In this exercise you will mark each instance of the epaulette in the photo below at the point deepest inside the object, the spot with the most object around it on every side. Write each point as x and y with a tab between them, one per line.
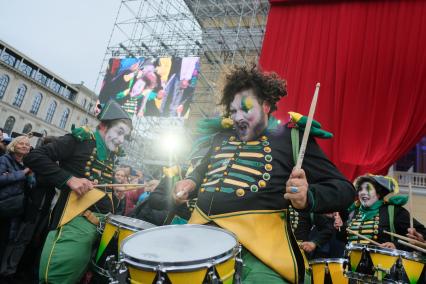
82	133
299	121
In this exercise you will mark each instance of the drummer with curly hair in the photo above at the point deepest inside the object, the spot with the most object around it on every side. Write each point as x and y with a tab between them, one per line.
246	182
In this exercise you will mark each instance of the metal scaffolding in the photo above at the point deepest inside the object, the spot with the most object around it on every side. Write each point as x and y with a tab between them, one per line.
222	32
232	34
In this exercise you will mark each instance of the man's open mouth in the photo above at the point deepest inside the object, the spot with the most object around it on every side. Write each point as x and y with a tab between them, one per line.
242	127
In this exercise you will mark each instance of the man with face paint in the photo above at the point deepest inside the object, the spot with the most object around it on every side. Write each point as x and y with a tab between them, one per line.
246	182
75	162
374	213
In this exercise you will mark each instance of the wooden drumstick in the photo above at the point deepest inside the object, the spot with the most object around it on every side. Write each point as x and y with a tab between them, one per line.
410	203
307	129
416	242
363	237
131	186
412	246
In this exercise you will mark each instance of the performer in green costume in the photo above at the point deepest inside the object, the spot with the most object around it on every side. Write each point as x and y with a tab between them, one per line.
241	181
375	212
73	164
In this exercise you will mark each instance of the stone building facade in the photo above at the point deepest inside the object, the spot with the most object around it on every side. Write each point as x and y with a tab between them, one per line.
34	99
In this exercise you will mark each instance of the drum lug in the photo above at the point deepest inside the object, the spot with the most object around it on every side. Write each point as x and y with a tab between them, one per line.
238	270
160	272
117	270
380	272
399	270
213	277
160	278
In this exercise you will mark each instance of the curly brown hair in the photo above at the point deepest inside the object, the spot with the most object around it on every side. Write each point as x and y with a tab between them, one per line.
267	87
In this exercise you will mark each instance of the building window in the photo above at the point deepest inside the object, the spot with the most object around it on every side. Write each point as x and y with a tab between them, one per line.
42	78
8	126
36	104
20	95
4	81
55	86
64	118
84	103
8	58
51	112
27	128
25	68
85	121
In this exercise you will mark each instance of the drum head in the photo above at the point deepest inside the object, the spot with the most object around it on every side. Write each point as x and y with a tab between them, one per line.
179	247
129	223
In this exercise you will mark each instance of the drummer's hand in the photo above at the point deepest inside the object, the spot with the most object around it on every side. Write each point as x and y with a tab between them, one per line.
80	185
182	190
338	222
297	189
388	245
308	246
413	234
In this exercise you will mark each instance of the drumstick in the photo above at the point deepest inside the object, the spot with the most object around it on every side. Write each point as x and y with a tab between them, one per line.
412	246
410	203
307	128
135	185
416	242
362	237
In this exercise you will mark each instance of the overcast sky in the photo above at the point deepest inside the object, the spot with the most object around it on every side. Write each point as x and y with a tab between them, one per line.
67	37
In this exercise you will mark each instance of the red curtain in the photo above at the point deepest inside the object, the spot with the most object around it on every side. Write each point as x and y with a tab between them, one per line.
370	58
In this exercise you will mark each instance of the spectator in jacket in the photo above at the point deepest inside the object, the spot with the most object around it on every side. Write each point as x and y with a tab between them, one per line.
15	180
2	143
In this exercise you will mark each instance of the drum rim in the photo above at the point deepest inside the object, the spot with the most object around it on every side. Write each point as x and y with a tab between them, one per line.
180	266
127	226
386	251
328	260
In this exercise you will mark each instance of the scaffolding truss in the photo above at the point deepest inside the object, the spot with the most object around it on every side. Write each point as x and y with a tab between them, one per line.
223	33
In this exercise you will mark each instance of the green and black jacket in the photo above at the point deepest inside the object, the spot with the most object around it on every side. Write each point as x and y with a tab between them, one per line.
238	176
74	156
241	186
396	220
303	222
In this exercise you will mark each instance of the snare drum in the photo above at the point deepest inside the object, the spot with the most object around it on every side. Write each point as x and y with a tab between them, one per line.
328	271
181	254
376	265
116	229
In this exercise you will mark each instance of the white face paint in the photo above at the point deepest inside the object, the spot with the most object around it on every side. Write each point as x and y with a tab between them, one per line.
248	115
367	194
116	135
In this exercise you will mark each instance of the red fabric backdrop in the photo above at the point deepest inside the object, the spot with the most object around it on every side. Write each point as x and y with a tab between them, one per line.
370	58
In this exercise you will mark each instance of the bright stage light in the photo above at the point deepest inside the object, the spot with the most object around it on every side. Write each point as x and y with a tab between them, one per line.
171	144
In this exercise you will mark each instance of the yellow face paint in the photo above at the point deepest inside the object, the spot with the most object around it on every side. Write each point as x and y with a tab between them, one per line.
246	103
